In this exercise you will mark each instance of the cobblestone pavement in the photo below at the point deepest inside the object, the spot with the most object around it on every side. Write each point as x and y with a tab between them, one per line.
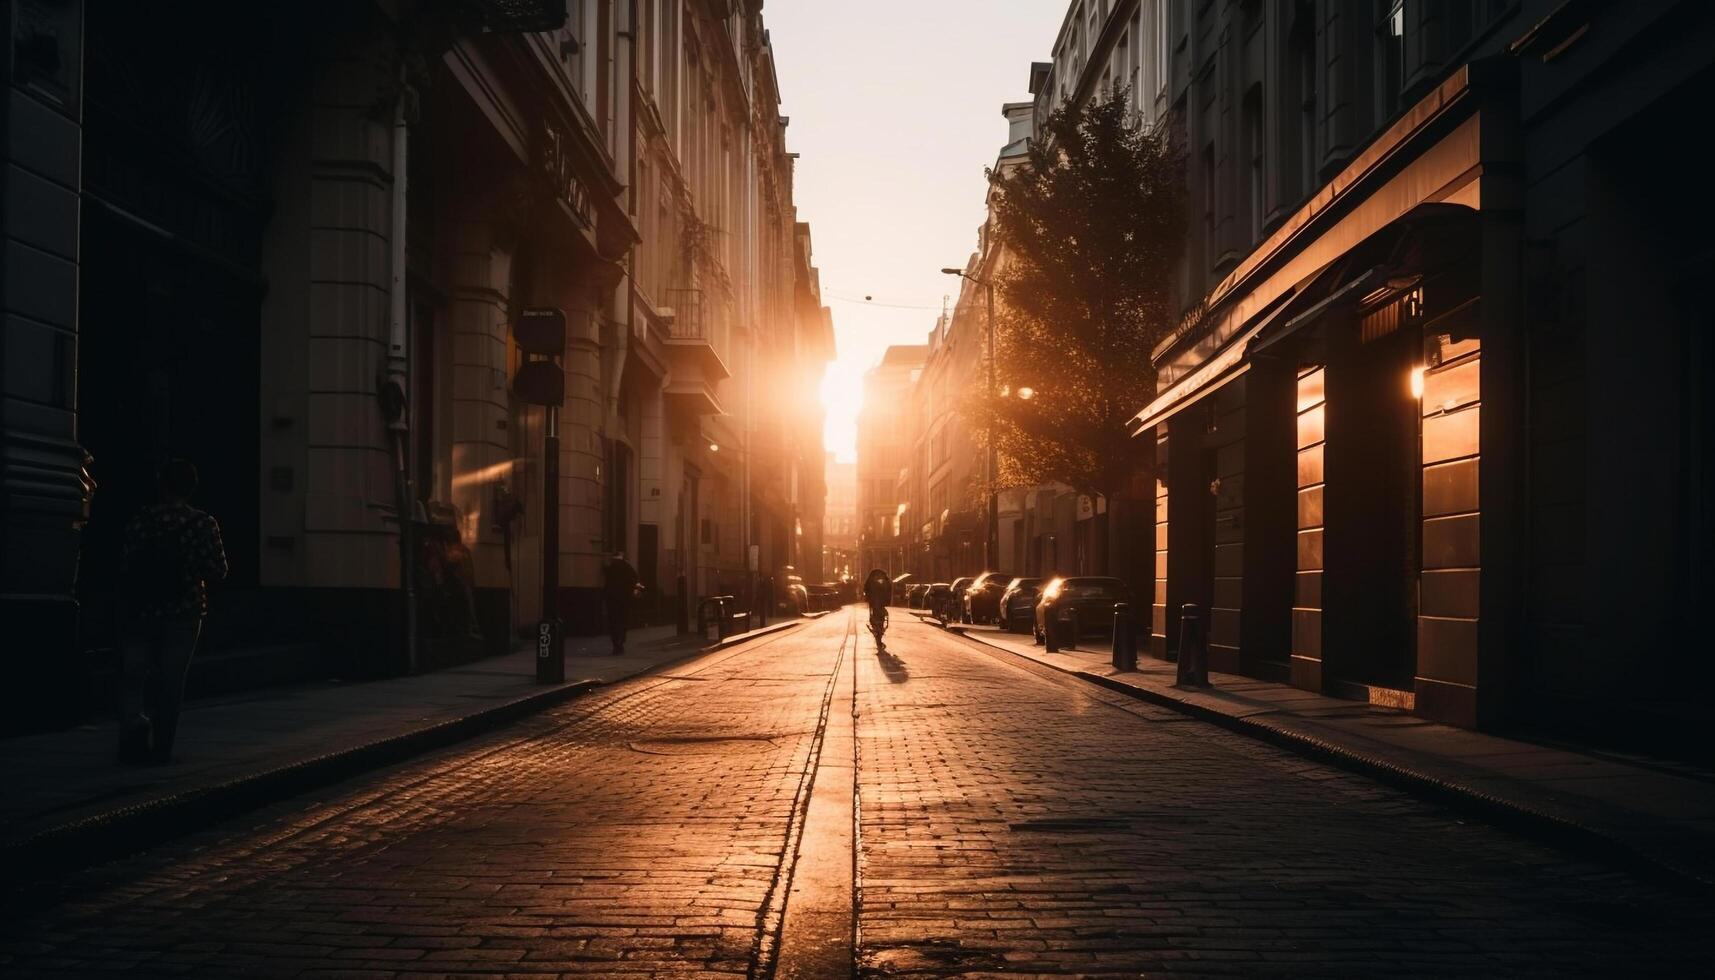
636	830
1018	820
1011	820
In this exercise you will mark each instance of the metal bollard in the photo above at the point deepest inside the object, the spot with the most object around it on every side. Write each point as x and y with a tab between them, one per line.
1125	638
1072	630
1051	631
721	622
1193	655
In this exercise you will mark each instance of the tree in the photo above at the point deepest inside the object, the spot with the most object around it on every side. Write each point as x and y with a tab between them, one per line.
1092	225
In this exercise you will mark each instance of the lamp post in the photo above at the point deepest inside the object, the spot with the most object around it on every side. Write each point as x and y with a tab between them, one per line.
991	533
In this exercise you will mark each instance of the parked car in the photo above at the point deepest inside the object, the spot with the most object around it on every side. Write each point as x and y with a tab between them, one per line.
982	598
936	597
790	595
1093	598
901	583
953	609
823	596
916	595
1018	604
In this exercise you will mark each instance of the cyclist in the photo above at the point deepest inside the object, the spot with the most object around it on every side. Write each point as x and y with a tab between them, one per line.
877	590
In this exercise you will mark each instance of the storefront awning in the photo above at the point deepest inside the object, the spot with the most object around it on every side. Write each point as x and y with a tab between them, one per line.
1226	364
1351	292
1429	238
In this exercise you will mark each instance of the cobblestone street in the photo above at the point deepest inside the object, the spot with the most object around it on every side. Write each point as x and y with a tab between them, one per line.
1010	819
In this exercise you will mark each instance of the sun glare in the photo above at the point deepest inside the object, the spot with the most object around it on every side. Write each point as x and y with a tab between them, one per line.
842	399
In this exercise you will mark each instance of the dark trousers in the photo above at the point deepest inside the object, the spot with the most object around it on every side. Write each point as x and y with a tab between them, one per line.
617	616
155	657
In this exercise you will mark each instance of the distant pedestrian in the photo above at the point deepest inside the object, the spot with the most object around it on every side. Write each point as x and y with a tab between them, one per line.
619	587
172	550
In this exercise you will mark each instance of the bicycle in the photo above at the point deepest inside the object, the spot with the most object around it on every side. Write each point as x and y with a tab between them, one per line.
878	624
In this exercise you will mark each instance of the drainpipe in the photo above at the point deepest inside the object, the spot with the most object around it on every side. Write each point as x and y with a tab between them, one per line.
397	385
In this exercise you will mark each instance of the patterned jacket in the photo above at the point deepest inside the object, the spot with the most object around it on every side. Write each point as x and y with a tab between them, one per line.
194	537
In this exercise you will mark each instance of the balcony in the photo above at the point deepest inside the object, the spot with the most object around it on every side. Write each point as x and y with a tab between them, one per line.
516	16
694	363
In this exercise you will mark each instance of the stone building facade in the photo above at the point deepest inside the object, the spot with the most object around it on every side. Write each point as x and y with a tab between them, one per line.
883	453
300	262
1440	439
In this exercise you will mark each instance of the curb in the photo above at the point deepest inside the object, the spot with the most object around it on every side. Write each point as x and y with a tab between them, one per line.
116	833
1559	831
755	634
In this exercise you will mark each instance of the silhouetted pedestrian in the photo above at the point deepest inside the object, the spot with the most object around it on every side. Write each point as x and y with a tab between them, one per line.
619	586
172	550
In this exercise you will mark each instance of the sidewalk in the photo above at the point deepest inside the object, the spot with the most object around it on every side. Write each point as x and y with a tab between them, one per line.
66	798
1659	818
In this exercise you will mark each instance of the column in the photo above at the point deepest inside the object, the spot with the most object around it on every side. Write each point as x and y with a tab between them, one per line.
1226	597
481	409
321	360
44	490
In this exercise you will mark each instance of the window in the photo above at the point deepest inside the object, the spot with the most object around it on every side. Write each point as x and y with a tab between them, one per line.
1390	58
1134	74
1158	10
1303	46
1123	61
1254	149
1208	174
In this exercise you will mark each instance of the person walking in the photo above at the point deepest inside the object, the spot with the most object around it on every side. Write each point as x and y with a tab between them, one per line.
172	551
619	587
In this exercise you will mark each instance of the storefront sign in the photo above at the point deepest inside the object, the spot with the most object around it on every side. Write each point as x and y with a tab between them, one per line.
560	168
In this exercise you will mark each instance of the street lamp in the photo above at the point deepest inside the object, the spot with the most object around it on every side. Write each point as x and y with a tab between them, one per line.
991	539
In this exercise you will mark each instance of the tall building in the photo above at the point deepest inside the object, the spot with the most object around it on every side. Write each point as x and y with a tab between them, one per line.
943	477
882	449
840	523
303	265
1044	529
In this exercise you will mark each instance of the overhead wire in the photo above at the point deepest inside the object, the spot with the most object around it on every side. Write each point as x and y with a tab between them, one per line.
866	301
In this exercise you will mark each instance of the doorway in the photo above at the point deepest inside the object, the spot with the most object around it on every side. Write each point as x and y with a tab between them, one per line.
1374	467
168	367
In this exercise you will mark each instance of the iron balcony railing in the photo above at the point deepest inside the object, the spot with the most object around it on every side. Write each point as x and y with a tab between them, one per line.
518	16
688	322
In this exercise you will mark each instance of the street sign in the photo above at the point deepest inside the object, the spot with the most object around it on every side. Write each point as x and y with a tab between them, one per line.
540	383
541	330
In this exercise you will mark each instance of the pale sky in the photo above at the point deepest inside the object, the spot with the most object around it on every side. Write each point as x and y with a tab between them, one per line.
895	108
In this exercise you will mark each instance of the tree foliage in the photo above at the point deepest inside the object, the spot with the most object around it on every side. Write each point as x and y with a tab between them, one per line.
1092	225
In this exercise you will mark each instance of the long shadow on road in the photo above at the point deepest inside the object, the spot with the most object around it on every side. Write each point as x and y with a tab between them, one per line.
893	667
